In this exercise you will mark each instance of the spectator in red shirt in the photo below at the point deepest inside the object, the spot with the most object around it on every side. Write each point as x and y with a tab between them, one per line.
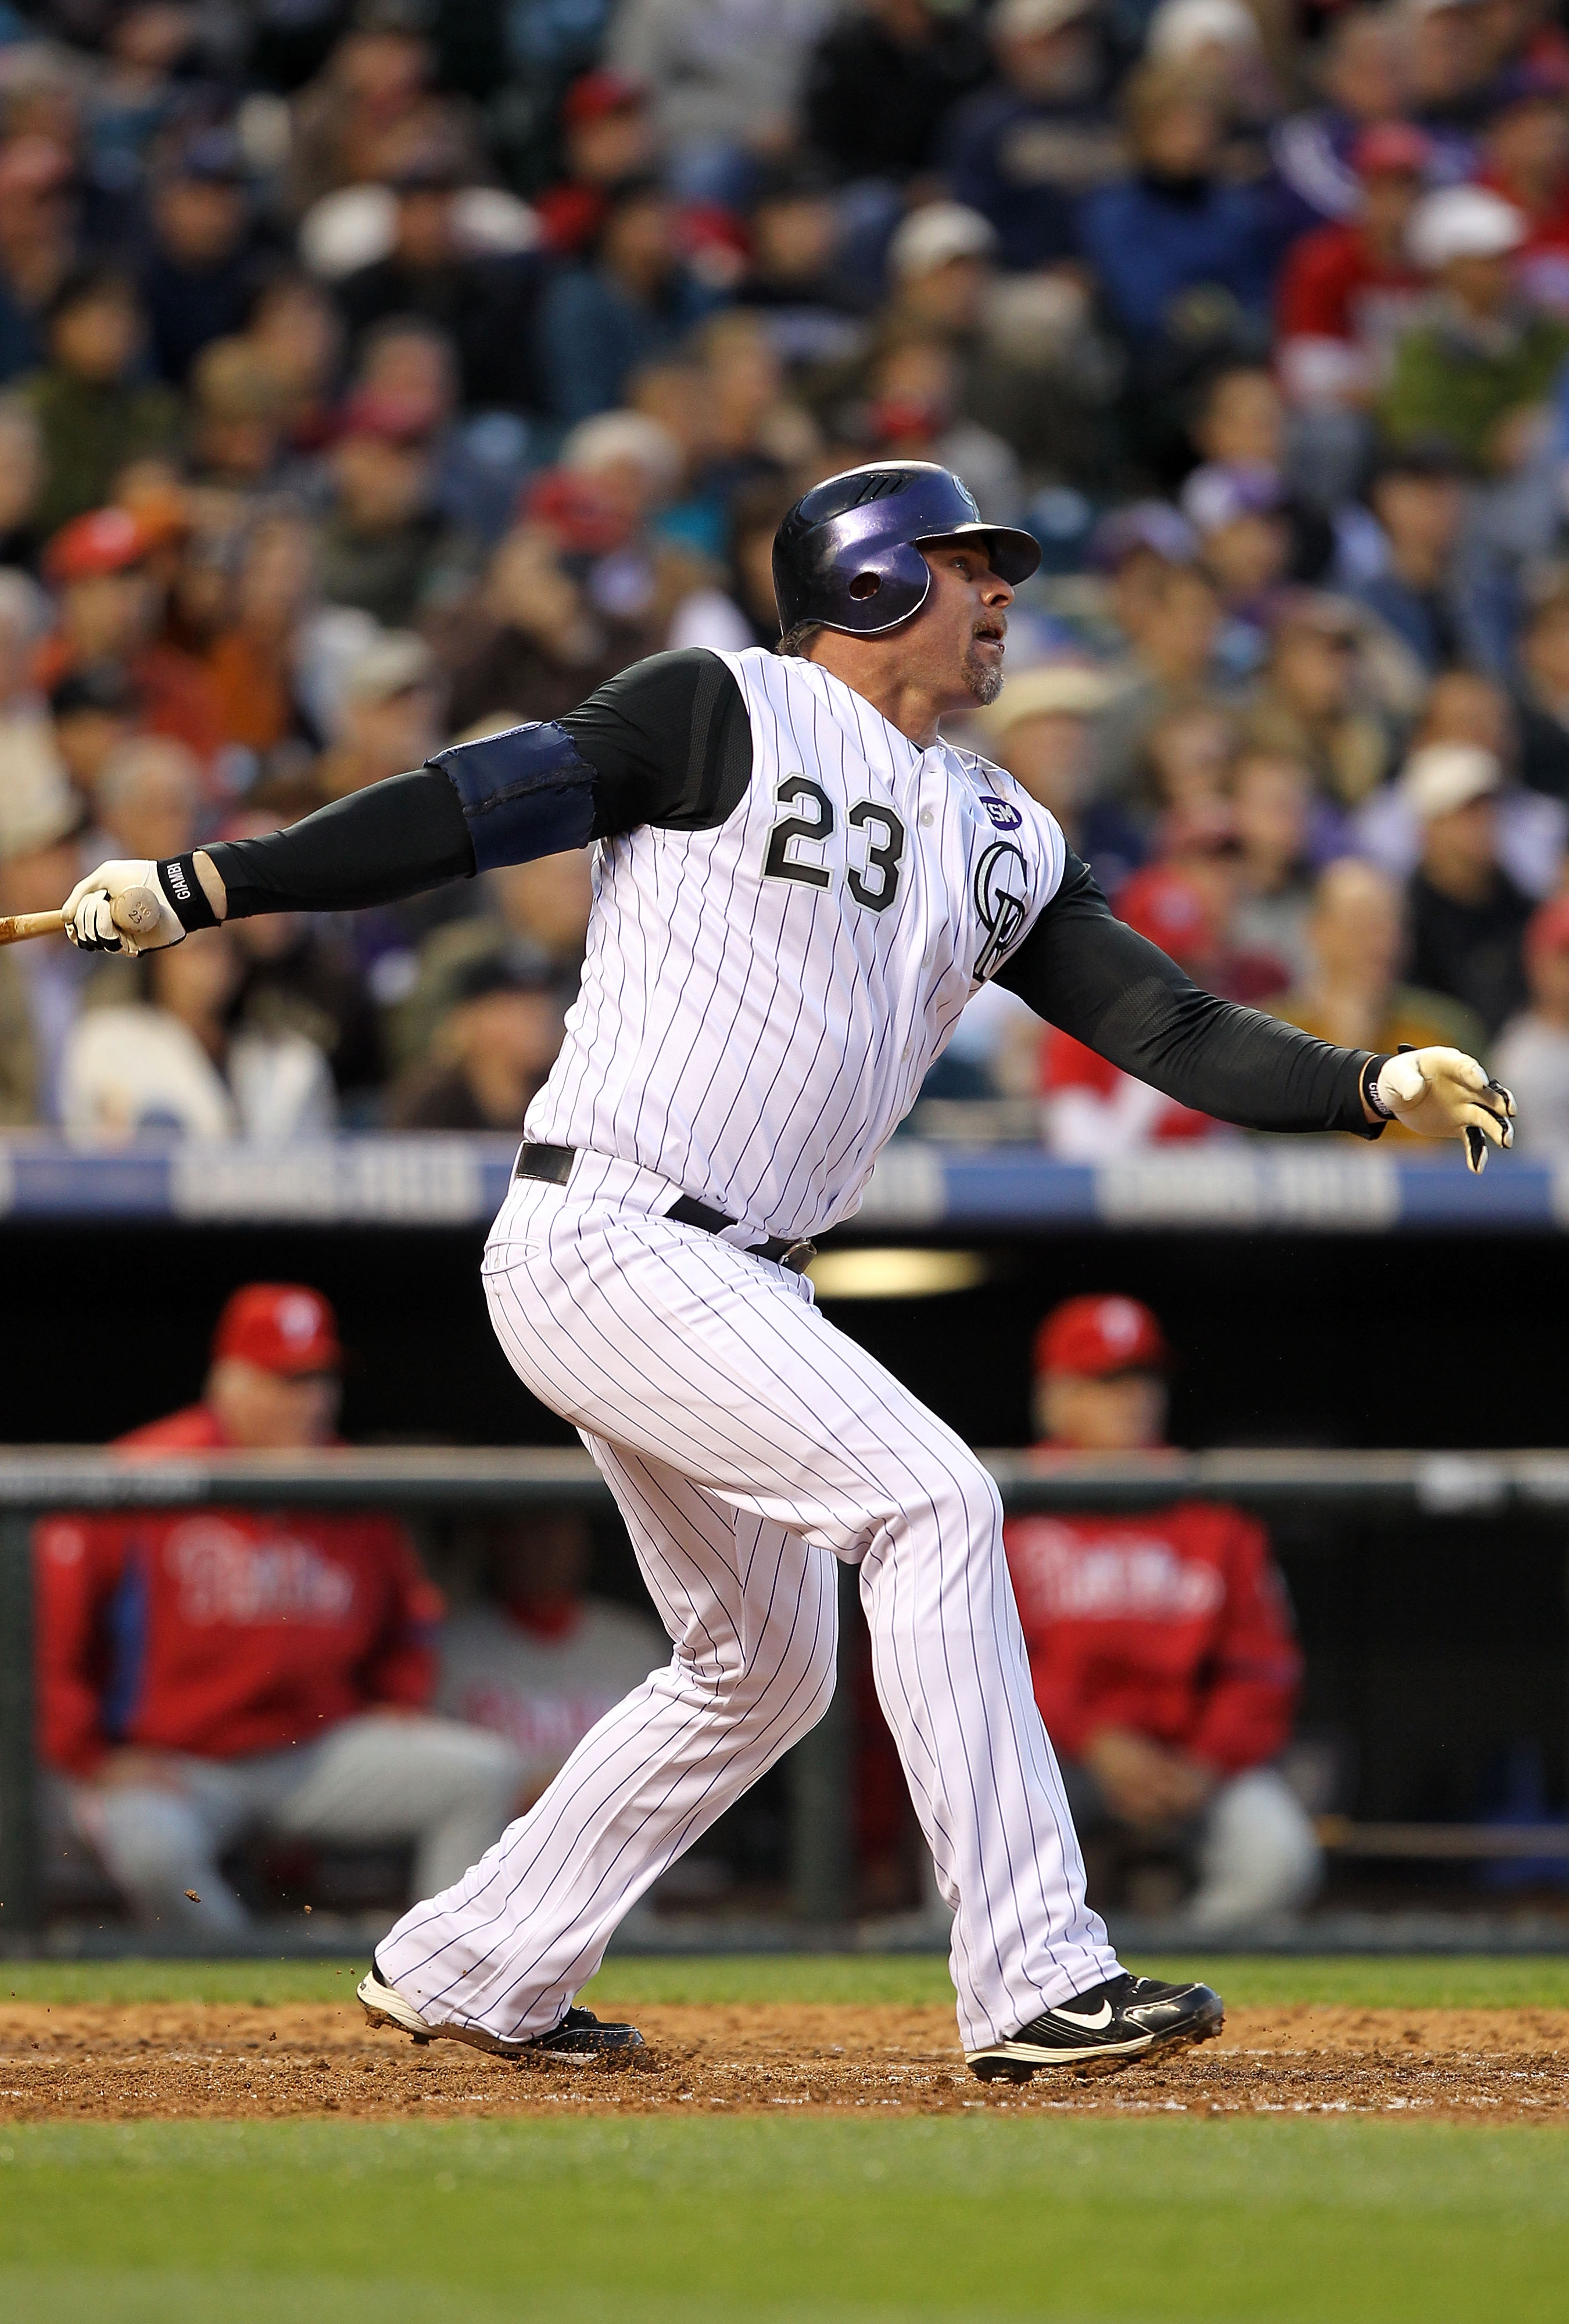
1348	289
203	1674
1160	1644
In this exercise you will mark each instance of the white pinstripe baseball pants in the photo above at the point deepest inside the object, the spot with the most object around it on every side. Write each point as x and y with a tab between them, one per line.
749	1444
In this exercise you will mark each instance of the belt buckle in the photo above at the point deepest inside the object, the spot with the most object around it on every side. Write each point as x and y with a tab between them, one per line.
799	1257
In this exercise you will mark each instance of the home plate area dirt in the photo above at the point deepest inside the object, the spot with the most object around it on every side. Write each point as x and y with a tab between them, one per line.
220	2060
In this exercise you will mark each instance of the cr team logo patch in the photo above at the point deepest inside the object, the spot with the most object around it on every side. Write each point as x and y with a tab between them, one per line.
1001	900
1002	812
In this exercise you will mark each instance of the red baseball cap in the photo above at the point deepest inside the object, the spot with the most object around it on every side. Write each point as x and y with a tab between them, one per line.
108	540
1164	904
1100	1334
1547	929
282	1327
1391	149
594	96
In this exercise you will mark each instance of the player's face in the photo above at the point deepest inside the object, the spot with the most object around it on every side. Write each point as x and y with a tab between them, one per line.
960	629
1122	1411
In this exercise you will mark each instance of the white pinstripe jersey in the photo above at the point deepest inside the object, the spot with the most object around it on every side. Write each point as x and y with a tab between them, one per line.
760	1002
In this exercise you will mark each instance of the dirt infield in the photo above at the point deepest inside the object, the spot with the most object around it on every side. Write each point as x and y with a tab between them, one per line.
152	2059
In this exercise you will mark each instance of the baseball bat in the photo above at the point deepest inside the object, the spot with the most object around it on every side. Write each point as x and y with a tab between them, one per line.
134	914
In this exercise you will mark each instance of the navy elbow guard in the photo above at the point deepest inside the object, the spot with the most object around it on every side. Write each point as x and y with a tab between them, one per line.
524	793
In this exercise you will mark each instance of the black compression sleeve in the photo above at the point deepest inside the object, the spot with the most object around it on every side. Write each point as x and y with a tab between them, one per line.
670	743
390	840
1082	969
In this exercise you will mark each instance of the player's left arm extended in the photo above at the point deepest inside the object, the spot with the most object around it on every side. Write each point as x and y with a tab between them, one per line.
1082	969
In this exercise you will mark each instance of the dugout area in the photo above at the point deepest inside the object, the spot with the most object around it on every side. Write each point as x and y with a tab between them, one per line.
1380	2138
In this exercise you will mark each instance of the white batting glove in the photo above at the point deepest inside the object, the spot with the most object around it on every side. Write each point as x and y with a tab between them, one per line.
87	921
1444	1093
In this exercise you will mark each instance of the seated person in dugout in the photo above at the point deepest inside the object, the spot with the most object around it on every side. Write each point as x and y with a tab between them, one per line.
1160	1644
536	1659
206	1673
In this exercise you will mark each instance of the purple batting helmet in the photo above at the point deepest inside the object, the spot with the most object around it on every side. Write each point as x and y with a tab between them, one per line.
848	554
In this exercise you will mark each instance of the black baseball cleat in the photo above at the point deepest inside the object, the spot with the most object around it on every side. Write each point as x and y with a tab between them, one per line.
579	2033
1108	2027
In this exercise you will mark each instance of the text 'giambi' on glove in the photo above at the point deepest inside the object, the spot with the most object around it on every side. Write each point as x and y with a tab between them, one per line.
173	884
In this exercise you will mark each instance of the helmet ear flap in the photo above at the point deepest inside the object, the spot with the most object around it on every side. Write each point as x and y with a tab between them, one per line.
889	583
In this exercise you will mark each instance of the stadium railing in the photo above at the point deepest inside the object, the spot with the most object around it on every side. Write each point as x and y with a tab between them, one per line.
920	1186
41	1481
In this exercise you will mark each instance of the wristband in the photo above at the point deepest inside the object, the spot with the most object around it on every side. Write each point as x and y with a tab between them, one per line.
1371	1072
185	895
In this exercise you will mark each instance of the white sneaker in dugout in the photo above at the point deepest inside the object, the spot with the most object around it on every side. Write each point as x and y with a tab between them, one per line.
578	2036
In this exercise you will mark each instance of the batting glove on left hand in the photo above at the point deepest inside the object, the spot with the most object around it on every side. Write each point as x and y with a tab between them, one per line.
1444	1093
88	909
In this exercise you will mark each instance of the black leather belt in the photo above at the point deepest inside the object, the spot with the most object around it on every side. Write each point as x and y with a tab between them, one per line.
554	1164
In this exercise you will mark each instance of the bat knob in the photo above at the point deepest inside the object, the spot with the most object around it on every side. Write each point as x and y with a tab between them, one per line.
135	913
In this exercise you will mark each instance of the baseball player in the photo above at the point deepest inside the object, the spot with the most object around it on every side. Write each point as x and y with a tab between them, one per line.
799	884
1160	1641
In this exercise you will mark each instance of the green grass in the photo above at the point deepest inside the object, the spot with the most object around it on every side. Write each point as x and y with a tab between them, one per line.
1231	2222
976	2219
1362	1981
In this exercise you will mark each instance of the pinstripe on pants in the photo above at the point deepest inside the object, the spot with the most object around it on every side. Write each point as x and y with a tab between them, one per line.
750	1443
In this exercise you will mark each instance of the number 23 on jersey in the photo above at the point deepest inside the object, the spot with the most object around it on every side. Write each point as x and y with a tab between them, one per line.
812	823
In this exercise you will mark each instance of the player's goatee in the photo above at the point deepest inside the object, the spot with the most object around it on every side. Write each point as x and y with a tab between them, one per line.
984	680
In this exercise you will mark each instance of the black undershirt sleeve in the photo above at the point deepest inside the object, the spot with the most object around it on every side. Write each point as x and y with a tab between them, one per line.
1085	971
670	743
667	741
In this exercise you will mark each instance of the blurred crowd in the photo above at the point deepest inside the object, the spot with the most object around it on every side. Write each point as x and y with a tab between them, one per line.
376	374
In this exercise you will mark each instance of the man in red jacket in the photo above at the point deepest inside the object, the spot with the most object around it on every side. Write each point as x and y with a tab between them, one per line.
1160	1644
1347	291
203	1672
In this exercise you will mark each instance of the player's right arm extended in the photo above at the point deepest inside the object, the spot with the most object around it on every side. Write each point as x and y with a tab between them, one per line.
664	742
1082	969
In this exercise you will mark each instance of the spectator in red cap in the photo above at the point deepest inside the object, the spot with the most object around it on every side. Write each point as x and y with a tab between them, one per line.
630	301
206	1674
1534	1046
111	610
1347	290
1161	1644
606	137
